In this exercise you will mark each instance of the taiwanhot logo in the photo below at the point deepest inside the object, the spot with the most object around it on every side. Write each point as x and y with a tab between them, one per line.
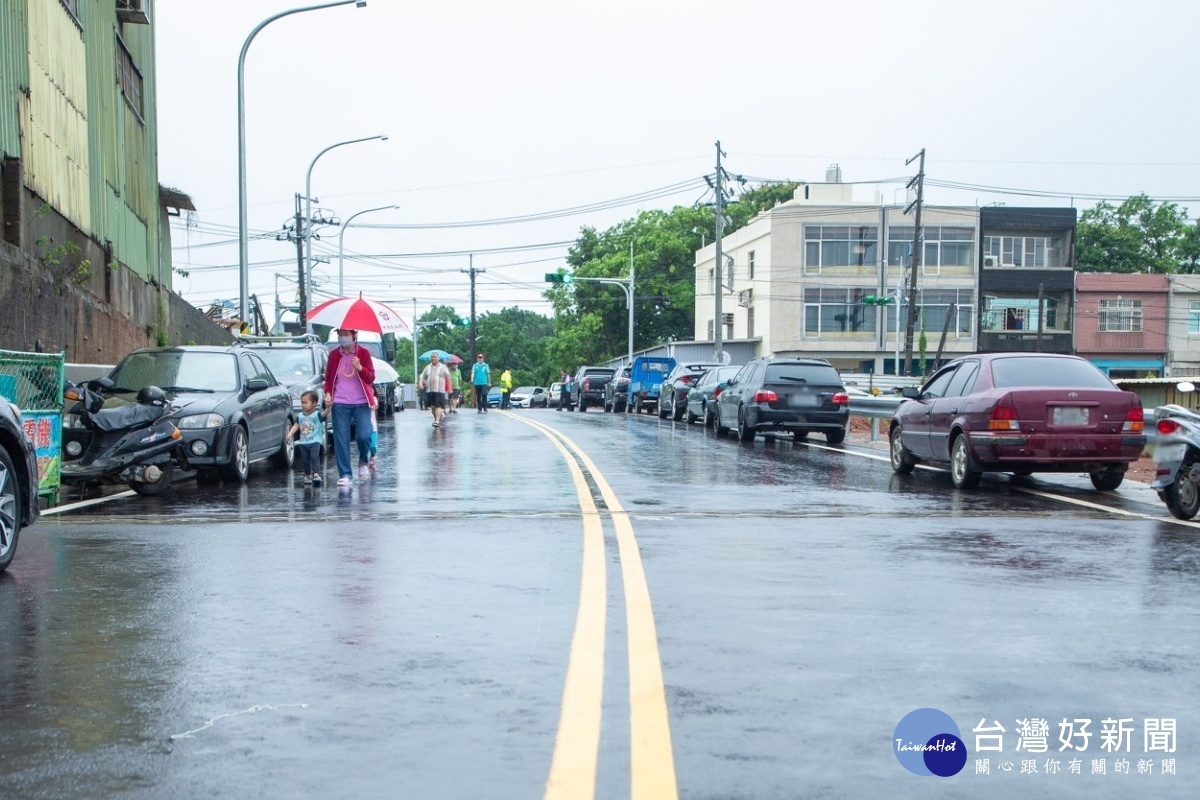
927	742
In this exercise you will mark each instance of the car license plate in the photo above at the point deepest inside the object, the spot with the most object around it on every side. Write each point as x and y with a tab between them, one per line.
802	400
1169	453
1070	415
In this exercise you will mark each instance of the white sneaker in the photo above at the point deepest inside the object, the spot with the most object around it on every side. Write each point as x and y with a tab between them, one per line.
343	481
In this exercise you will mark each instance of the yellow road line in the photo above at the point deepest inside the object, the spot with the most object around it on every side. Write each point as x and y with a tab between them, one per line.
577	744
652	760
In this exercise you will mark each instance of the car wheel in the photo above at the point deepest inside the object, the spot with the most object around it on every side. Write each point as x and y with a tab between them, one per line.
151	488
745	432
676	411
836	437
662	409
11	499
238	468
710	418
582	406
1106	479
286	455
800	436
720	429
902	460
963	472
1182	496
690	417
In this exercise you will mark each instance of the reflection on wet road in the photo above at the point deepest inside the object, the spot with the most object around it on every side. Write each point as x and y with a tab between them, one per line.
414	635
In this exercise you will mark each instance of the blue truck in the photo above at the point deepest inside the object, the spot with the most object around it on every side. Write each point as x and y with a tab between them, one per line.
645	381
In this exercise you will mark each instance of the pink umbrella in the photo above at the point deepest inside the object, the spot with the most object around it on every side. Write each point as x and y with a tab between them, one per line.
358	314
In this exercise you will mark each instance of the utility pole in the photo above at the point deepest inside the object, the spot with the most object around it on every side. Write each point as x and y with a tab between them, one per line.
300	239
918	246
718	281
472	272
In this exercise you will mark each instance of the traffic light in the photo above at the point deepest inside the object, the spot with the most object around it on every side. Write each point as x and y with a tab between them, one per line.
463	321
872	300
559	277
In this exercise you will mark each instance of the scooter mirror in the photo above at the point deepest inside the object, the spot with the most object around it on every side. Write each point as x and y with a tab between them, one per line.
1185	386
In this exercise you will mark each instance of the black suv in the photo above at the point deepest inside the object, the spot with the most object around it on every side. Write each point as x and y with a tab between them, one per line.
298	362
798	395
18	481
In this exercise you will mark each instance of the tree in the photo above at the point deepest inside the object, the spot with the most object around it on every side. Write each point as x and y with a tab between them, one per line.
1137	236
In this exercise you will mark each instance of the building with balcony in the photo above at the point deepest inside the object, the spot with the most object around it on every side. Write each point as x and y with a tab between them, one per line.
1121	322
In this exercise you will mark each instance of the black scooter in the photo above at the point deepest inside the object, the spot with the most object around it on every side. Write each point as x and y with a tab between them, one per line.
133	443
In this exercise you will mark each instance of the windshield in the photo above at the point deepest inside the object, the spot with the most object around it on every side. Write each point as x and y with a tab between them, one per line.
287	363
1008	373
523	390
177	370
803	373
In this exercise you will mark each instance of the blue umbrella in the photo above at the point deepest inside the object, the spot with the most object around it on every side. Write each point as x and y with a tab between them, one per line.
442	354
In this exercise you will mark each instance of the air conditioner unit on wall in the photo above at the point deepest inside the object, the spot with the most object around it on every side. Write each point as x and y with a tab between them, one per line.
745	298
727	319
132	11
990	261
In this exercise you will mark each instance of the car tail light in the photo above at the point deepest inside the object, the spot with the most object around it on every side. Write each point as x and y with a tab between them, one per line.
586	384
687	378
1004	418
1166	427
1134	421
841	399
765	396
717	392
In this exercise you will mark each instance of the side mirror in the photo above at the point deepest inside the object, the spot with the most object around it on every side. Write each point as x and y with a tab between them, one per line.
1185	386
911	392
256	385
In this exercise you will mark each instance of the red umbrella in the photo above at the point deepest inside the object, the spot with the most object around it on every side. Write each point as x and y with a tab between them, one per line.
358	314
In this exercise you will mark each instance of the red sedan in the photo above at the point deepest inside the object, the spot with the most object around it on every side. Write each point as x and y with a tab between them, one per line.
1019	413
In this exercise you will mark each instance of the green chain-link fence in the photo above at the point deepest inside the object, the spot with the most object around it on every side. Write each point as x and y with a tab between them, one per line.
34	382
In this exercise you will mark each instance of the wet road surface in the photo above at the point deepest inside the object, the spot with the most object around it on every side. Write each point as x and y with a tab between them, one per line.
432	633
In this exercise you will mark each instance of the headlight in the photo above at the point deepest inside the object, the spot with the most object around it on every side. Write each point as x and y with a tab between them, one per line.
74	449
71	421
200	421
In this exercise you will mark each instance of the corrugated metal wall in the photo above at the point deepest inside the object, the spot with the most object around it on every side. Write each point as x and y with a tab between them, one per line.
14	73
54	123
85	150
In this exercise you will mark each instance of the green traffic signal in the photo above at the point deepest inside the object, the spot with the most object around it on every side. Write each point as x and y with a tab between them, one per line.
559	277
464	321
873	300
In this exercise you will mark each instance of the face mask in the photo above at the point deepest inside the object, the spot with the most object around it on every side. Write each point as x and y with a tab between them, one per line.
345	341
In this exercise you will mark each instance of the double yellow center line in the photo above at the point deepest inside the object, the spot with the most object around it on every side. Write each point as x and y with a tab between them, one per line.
576	747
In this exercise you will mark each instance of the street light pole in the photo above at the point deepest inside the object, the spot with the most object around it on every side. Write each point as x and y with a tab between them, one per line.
341	250
243	239
308	222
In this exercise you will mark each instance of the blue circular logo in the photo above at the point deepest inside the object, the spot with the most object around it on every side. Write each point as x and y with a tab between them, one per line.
926	742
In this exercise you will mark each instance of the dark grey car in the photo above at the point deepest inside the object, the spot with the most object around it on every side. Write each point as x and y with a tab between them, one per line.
672	397
800	396
701	398
18	481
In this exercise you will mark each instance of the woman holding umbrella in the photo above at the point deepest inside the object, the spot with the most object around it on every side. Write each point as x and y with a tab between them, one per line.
349	376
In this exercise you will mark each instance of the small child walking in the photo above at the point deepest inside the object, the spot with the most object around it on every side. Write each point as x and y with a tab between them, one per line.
310	430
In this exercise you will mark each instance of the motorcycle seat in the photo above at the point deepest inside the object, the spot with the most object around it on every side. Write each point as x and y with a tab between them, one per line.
132	415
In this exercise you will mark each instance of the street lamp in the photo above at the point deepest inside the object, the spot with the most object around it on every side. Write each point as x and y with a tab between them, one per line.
308	220
243	241
342	233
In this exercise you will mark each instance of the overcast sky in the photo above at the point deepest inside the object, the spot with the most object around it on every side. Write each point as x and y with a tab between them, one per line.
498	110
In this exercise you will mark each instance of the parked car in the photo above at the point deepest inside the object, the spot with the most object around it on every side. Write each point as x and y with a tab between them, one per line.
616	391
587	387
646	381
529	397
701	398
298	362
672	399
795	395
229	406
1019	413
554	394
18	481
494	396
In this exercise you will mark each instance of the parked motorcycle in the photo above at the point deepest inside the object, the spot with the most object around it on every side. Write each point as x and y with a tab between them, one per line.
133	443
1177	456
